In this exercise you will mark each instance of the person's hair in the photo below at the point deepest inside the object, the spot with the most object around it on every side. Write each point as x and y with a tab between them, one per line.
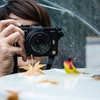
26	9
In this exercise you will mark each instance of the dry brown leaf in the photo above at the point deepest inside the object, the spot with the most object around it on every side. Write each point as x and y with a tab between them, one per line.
39	71
32	69
25	67
13	95
96	77
45	81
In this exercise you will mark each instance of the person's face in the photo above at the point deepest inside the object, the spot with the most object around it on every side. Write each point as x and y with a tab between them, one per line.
22	21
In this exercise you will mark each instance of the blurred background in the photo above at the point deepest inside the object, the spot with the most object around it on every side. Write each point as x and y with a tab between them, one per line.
80	23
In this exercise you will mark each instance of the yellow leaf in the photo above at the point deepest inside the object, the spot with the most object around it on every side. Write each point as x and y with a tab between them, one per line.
69	67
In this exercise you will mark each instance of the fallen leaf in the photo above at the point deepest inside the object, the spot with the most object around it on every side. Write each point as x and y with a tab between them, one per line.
13	95
96	77
32	69
69	67
45	81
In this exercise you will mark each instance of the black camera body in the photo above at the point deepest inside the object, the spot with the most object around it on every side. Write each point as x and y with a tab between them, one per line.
41	41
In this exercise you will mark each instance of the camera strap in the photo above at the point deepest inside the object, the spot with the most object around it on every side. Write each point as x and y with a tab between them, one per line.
49	64
50	61
15	69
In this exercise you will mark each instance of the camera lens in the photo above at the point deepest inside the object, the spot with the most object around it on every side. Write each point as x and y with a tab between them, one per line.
38	42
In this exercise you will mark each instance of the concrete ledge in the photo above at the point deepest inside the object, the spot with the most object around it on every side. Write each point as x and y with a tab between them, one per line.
93	40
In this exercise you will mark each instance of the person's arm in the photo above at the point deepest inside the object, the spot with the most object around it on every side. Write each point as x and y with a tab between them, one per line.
10	34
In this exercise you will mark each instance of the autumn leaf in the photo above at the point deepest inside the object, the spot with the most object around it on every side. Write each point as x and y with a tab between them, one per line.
32	69
13	95
69	67
47	81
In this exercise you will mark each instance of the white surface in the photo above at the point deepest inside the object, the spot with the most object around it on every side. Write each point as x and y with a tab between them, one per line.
69	87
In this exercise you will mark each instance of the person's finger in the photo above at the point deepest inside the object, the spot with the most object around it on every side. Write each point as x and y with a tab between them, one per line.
15	38
18	50
11	29
5	23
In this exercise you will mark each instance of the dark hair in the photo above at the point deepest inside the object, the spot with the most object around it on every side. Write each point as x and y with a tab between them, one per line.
26	9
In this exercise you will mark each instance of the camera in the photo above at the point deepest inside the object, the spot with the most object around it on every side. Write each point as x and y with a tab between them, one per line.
41	41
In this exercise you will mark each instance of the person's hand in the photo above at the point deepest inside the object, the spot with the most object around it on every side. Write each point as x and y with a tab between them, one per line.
10	33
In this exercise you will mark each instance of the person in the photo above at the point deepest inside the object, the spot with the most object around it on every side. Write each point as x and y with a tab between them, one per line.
16	13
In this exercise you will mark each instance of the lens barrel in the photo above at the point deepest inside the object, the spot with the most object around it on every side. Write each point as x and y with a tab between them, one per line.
37	42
